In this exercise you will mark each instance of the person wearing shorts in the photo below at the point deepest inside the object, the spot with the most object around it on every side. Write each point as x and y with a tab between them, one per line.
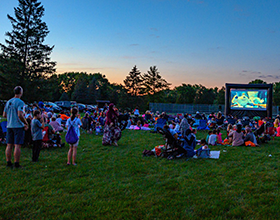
74	121
16	126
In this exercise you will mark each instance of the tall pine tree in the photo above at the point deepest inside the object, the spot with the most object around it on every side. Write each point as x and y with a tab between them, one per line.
153	82
24	44
133	81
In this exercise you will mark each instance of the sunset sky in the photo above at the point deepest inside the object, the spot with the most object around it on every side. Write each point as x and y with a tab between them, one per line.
206	42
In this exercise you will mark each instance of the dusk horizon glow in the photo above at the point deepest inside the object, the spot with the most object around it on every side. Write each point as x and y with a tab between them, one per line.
190	41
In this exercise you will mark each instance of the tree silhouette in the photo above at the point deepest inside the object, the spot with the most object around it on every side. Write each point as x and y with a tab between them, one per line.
153	82
257	81
133	81
24	44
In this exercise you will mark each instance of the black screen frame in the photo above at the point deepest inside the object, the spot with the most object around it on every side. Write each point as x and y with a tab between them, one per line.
249	112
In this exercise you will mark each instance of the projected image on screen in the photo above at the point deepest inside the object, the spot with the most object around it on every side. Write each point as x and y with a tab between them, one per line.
248	99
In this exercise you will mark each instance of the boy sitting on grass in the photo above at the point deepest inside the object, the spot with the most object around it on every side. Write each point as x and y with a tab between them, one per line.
213	138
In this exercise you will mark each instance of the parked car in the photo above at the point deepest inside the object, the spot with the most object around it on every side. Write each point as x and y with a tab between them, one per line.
90	108
64	104
54	107
81	107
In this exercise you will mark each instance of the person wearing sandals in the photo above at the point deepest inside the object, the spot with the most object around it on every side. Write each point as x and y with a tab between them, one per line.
75	121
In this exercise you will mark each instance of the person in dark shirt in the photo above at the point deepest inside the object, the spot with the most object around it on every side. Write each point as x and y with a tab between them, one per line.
197	116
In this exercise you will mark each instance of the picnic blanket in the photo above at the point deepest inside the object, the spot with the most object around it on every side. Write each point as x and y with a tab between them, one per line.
213	155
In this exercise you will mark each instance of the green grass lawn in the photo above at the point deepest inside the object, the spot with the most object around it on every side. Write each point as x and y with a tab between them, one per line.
119	183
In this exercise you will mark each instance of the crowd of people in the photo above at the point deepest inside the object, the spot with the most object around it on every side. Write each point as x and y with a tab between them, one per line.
41	127
237	132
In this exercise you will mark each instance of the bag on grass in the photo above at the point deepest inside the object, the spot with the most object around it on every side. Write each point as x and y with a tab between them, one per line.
71	135
250	144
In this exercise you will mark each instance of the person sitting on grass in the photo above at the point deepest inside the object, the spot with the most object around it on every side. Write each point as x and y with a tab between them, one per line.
276	124
177	127
212	123
213	138
220	119
203	145
138	125
219	137
249	136
98	129
237	136
208	135
55	124
172	131
278	132
184	125
189	140
59	120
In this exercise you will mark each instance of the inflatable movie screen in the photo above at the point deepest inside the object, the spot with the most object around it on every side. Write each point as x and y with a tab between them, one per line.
248	99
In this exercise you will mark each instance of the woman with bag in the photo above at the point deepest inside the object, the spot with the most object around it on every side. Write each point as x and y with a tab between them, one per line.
73	125
112	133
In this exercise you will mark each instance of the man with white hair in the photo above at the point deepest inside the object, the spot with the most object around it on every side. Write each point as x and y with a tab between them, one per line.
16	126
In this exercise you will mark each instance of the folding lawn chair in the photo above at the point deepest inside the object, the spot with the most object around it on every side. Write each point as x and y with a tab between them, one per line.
4	131
202	125
4	126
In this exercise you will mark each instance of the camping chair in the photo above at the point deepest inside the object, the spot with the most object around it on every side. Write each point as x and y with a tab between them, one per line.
202	125
270	130
196	122
231	121
159	124
4	126
4	130
2	137
47	142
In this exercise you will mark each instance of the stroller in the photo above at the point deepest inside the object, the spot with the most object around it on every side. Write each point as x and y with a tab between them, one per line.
51	140
173	146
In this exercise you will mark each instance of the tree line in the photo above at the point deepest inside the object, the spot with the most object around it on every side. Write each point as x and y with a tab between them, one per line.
25	60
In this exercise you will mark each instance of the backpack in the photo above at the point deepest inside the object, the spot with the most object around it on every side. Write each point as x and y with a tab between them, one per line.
71	135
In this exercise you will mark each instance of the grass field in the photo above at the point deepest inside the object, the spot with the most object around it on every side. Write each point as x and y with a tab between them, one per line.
119	183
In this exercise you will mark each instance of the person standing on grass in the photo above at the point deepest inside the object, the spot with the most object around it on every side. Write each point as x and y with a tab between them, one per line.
74	121
37	125
184	125
112	133
16	126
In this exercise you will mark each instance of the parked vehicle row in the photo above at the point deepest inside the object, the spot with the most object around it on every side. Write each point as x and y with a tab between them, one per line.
67	105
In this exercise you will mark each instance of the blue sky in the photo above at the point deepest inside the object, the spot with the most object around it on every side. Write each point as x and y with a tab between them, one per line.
206	42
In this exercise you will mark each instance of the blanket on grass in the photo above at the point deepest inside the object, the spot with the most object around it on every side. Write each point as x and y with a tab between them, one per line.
213	155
